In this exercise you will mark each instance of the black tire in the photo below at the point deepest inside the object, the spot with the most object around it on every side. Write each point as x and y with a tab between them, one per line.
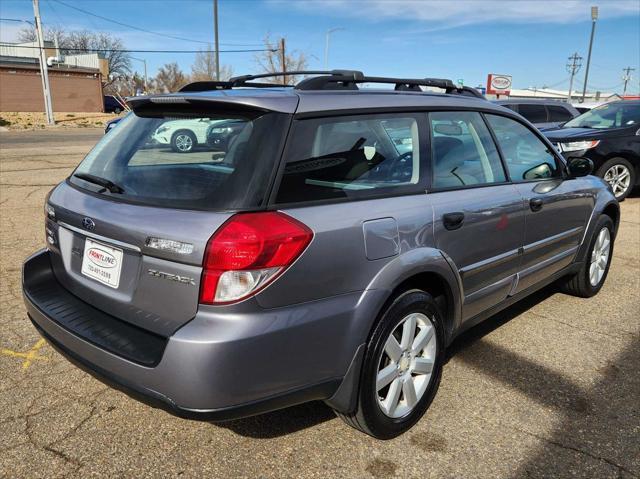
580	284
178	137
619	162
368	416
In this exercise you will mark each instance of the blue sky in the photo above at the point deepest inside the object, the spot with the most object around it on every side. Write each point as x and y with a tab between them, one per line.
466	39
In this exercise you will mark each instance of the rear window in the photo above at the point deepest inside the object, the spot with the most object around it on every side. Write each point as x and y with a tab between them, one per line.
533	113
350	157
194	160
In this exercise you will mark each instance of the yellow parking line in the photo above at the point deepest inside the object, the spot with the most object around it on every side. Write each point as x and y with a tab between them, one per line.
29	356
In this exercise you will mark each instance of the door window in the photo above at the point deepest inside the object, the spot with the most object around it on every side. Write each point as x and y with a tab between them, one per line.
533	113
350	157
526	156
559	113
463	152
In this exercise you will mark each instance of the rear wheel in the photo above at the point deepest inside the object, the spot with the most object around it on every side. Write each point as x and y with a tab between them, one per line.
402	367
619	173
183	141
589	280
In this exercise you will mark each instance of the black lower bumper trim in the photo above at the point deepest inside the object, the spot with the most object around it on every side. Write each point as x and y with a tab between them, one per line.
155	399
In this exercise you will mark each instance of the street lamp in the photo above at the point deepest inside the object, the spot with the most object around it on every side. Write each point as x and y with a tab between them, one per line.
326	45
145	71
594	18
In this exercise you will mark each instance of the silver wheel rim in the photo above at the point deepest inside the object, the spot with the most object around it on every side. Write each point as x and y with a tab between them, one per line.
405	365
619	177
183	142
600	257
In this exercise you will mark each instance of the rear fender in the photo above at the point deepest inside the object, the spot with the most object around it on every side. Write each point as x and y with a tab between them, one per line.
420	261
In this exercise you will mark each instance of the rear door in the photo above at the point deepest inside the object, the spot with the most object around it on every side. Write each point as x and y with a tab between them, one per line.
478	214
557	209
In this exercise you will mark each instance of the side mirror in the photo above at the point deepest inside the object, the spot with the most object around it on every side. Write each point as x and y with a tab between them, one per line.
579	167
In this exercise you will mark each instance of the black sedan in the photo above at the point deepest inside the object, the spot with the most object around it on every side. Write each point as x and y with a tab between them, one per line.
609	135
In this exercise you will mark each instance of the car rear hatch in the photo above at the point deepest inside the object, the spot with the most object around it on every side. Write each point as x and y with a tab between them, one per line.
128	230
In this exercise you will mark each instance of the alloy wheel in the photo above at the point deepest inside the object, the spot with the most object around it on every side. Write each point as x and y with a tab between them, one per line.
406	364
619	177
184	142
600	257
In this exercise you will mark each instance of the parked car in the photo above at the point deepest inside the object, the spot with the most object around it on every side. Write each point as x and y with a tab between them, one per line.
542	113
183	136
332	252
221	133
112	105
609	135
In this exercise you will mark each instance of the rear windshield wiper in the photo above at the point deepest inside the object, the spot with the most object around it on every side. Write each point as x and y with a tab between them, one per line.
106	184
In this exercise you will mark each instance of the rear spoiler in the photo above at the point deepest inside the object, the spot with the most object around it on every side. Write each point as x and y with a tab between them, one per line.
240	103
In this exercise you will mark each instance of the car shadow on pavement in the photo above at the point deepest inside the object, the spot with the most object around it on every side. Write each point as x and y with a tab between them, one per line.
597	434
280	423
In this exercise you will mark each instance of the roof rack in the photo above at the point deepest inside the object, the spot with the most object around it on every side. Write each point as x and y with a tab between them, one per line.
334	80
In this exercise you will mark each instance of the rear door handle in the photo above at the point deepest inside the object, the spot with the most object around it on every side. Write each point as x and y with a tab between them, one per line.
536	204
453	221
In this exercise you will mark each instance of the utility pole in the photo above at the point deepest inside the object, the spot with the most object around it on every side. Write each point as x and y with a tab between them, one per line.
594	18
283	60
44	72
573	66
215	29
626	77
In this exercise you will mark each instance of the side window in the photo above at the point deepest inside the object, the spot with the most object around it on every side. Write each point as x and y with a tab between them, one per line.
533	113
351	157
462	151
526	156
558	113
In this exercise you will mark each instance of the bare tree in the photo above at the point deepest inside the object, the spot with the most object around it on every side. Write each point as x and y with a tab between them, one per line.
77	41
271	61
170	78
204	67
129	86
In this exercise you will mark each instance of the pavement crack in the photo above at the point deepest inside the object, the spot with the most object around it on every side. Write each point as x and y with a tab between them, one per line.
576	449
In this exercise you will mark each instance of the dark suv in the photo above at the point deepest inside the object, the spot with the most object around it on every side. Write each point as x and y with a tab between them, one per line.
608	135
542	113
331	250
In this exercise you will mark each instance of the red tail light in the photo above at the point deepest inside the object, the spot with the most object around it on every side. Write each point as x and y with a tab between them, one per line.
248	252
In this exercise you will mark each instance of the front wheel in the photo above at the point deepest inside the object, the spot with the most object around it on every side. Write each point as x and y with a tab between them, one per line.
619	173
589	280
402	367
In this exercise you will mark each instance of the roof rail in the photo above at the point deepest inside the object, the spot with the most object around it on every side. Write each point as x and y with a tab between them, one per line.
333	80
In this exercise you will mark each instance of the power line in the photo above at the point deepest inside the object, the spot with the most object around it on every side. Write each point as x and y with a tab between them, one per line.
150	32
126	50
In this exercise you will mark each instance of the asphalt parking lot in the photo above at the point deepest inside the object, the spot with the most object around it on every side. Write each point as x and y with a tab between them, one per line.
549	388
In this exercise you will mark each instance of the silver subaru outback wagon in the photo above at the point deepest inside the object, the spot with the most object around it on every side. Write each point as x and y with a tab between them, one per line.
318	242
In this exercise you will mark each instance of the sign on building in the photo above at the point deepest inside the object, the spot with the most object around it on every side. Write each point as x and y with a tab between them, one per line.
498	84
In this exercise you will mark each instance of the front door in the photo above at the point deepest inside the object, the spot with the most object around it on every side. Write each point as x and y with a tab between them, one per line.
557	209
479	216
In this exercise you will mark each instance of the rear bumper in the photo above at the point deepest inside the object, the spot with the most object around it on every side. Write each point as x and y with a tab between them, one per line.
221	365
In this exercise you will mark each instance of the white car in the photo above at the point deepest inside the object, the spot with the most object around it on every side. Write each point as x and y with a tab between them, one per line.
183	135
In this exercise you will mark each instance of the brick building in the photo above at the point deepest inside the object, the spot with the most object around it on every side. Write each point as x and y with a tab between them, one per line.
76	82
